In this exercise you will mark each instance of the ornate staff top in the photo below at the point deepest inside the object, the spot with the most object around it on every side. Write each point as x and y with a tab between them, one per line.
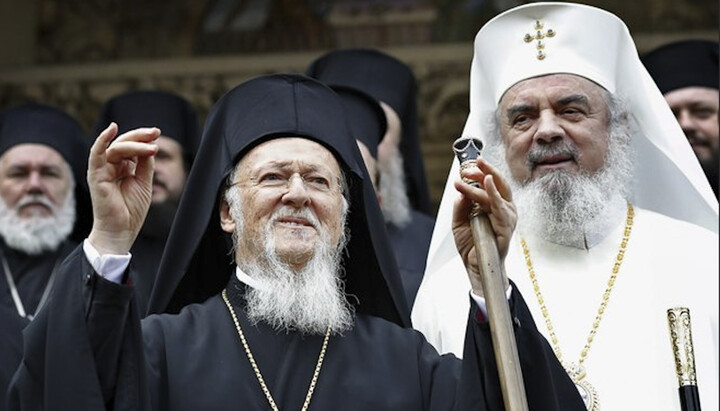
682	345
467	149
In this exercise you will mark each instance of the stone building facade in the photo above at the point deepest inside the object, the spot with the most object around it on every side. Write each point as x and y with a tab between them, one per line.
78	53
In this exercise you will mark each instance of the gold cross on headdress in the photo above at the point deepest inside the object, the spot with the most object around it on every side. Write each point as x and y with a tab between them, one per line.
539	36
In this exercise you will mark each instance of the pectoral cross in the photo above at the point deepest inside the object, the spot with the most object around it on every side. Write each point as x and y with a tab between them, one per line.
539	35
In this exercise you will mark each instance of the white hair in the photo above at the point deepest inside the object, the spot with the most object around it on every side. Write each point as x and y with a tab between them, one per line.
38	234
308	300
563	207
395	203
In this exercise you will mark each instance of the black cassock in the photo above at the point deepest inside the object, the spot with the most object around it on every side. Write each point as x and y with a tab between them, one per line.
410	246
31	275
87	350
146	253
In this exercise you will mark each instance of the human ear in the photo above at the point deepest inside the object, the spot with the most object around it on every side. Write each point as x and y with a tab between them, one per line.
227	222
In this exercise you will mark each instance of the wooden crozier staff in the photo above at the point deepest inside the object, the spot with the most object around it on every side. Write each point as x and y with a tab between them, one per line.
684	353
492	274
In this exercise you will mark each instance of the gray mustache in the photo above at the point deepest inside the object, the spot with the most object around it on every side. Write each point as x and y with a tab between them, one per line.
540	153
35	198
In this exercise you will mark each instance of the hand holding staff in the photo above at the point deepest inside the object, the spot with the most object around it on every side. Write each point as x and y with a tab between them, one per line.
483	244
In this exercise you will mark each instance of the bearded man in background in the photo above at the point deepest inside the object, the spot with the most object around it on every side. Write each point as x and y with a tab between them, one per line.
42	187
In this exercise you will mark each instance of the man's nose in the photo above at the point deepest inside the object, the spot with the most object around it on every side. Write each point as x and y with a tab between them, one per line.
548	128
35	182
686	120
297	193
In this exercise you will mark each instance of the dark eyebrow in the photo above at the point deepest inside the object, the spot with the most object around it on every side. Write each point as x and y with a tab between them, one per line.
574	99
517	109
18	167
700	105
52	168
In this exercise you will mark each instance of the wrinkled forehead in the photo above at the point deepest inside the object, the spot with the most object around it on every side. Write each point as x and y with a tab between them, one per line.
289	152
693	95
552	83
29	154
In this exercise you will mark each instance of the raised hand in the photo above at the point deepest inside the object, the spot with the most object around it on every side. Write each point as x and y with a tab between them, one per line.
120	173
495	199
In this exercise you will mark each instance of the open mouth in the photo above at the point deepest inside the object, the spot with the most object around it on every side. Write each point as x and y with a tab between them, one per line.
295	222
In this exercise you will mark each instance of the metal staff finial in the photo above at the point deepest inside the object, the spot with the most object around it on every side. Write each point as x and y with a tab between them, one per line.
684	354
467	149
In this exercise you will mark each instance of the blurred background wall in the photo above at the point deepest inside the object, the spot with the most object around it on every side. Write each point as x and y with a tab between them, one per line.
78	53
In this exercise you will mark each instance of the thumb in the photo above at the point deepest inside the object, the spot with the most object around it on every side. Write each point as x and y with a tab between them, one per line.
145	169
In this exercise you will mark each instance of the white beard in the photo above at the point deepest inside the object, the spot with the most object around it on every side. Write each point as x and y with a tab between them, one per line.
309	300
395	203
37	234
574	209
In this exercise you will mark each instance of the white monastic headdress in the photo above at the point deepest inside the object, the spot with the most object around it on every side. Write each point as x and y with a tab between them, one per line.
547	38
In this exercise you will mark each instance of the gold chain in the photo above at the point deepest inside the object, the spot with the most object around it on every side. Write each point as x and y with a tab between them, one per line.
605	297
255	367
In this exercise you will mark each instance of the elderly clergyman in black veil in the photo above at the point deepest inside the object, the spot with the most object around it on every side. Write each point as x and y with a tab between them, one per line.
367	123
311	315
177	145
44	214
403	190
392	82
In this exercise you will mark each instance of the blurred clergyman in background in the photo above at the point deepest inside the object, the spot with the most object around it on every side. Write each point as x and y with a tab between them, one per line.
686	72
44	213
403	191
178	121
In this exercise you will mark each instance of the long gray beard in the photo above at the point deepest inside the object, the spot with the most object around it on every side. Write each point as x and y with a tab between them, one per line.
395	203
565	208
309	300
36	235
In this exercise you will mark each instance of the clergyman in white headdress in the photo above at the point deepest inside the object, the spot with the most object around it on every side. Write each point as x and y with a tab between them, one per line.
617	222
